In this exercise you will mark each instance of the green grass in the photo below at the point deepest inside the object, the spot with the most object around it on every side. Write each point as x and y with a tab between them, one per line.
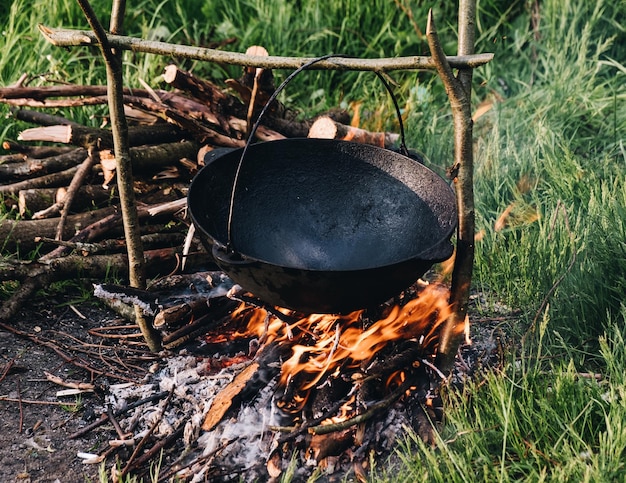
553	144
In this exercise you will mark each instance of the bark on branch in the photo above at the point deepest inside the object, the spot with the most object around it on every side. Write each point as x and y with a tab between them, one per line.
459	94
72	38
113	61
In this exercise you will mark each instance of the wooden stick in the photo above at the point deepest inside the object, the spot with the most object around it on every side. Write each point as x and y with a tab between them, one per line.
78	179
71	38
459	94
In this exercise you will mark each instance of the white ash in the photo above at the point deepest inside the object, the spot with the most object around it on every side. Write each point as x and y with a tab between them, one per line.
244	441
193	392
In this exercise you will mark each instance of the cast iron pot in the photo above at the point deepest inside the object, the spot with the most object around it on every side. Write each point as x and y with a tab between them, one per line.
322	226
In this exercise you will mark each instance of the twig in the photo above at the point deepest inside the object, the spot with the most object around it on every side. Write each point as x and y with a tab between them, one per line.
81	364
144	440
36	401
7	368
118	429
104	418
158	446
19	402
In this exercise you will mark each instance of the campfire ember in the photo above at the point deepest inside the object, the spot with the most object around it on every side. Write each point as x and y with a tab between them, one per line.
268	391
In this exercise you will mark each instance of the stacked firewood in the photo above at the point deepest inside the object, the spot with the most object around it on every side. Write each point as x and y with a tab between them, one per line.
63	191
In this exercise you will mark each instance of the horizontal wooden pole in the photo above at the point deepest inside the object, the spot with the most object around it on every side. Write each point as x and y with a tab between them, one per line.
71	38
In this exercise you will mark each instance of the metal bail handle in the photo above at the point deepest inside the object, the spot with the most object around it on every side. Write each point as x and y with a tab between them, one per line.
229	247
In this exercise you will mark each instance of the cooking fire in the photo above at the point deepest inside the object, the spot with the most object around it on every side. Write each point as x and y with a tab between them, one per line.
269	391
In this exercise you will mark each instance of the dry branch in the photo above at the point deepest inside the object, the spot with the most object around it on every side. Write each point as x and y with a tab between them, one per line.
459	94
71	38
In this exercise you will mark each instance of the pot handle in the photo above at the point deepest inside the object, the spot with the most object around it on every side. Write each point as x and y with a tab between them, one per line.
403	148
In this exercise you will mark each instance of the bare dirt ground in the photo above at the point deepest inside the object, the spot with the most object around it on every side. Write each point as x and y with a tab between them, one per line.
35	429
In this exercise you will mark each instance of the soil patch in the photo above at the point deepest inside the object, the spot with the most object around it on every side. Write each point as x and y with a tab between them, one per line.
35	443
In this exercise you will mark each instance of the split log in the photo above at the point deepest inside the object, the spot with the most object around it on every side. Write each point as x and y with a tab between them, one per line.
326	128
85	136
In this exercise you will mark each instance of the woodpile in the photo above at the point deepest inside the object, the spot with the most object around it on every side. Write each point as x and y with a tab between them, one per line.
63	189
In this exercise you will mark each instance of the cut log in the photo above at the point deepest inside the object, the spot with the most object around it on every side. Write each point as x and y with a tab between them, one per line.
61	178
86	136
33	200
21	234
149	159
326	128
39	167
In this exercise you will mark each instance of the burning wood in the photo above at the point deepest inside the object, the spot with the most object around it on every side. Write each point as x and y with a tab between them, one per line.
326	390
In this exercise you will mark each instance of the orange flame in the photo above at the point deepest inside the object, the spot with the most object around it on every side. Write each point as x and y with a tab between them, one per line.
322	344
341	342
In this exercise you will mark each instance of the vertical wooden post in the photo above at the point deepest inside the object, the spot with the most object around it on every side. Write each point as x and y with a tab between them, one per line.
119	128
459	90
